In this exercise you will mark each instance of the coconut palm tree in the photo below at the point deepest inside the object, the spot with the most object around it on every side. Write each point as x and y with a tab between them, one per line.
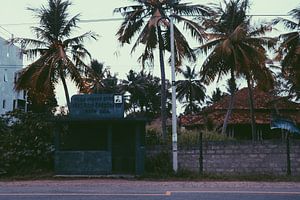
146	19
95	76
135	85
58	54
216	96
144	93
236	48
289	50
191	91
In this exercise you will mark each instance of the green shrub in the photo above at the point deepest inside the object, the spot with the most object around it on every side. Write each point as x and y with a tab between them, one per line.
191	137
159	164
152	138
26	144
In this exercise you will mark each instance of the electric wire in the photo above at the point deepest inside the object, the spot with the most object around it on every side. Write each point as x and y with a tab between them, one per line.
120	19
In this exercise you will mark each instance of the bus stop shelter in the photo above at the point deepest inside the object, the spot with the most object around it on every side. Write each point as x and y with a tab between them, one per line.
90	144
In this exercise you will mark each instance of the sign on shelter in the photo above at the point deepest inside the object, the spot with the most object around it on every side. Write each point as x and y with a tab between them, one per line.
97	106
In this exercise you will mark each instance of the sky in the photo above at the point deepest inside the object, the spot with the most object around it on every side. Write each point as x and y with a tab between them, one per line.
16	19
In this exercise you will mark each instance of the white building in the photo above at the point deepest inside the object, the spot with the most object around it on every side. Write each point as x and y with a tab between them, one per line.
11	62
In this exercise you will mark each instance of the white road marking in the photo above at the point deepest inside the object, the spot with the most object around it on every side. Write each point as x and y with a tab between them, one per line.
237	192
82	194
167	193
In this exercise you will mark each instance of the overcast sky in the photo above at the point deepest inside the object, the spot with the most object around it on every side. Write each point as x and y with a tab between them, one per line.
17	20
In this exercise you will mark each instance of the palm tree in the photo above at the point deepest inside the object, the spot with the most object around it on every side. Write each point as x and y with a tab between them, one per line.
216	96
95	75
237	48
190	90
289	51
58	54
147	18
135	86
144	93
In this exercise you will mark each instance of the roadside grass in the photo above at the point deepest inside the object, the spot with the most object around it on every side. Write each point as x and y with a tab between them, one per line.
182	175
39	175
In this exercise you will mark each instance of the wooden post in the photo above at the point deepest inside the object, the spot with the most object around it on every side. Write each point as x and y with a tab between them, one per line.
201	153
288	158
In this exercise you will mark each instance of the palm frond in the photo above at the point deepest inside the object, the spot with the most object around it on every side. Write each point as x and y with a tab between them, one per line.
148	35
182	47
80	51
32	53
146	55
42	34
80	39
262	30
289	24
205	48
214	66
187	9
128	29
124	10
70	25
195	29
74	73
25	42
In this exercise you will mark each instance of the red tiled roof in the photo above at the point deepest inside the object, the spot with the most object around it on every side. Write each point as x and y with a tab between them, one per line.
262	100
263	104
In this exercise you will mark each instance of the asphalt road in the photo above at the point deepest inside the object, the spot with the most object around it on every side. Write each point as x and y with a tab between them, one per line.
114	189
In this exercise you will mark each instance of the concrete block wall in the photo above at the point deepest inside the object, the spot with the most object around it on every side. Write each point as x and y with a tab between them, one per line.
268	157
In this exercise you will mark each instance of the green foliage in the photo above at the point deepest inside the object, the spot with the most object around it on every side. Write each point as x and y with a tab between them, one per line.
144	94
190	91
188	138
159	164
152	138
26	145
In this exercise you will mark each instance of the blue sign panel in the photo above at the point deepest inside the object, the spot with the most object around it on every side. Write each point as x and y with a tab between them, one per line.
98	106
284	124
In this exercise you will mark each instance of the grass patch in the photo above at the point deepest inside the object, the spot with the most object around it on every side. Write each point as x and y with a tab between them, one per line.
184	175
39	175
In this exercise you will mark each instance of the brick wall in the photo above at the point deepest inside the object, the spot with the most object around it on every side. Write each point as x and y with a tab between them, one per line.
268	157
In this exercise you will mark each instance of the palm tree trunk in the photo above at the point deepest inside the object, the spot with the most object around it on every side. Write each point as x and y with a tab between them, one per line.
230	106
251	105
63	80
163	87
228	113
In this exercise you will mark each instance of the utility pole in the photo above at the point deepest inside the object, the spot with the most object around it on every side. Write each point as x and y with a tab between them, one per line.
174	117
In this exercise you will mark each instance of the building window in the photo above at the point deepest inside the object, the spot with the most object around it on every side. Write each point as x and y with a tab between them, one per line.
24	94
21	104
3	104
15	104
5	78
16	77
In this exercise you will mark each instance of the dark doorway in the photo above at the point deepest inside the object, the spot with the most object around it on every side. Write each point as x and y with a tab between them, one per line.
123	150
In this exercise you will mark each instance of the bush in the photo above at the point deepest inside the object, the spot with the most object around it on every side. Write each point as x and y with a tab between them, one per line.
191	137
159	164
26	144
153	137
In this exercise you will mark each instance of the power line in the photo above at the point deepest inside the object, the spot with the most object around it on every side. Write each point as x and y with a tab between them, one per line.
7	32
120	19
101	20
